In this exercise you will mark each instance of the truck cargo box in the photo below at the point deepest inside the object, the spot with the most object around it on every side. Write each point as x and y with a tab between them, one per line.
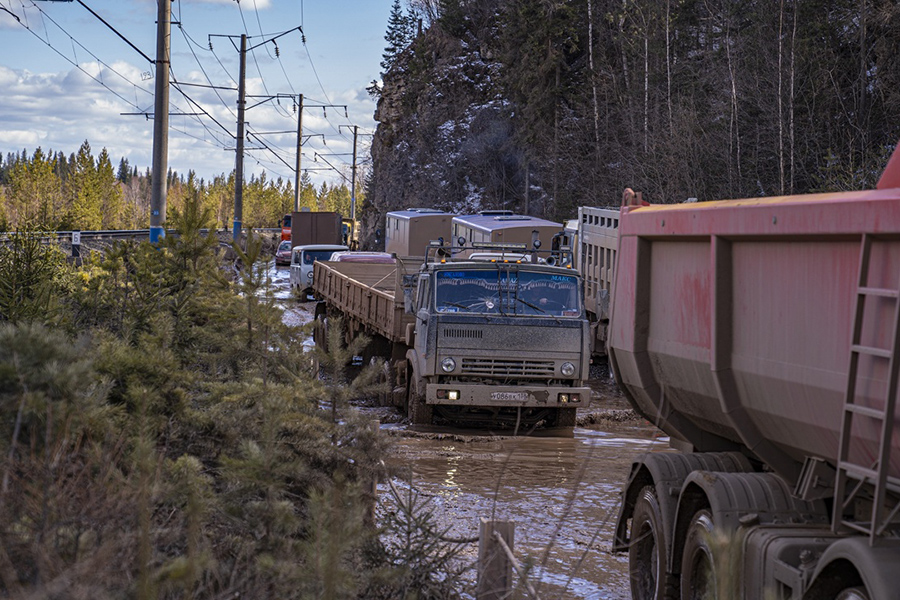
408	232
315	228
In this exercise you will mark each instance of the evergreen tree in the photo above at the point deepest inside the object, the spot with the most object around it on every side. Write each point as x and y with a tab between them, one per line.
308	196
124	172
398	36
110	193
84	190
35	195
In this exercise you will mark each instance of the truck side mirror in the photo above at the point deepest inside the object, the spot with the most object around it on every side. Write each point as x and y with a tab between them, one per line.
409	290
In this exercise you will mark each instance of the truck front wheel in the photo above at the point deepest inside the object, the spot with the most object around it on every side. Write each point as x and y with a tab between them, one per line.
647	551
698	572
419	412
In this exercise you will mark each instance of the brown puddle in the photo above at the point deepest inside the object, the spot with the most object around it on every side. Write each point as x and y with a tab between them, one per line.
561	493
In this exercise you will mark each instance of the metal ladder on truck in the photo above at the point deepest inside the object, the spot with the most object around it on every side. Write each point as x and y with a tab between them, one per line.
850	473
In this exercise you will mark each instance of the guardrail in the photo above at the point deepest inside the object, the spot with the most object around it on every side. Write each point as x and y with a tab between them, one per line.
116	234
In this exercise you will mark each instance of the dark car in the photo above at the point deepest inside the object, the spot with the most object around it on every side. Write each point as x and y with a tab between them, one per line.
283	254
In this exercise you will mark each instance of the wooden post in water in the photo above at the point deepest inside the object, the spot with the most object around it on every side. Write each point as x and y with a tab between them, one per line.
495	570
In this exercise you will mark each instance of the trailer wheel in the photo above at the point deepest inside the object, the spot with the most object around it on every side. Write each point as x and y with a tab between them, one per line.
698	575
320	326
647	551
854	593
419	412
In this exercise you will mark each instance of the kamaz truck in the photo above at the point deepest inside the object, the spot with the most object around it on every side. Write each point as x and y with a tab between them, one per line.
501	341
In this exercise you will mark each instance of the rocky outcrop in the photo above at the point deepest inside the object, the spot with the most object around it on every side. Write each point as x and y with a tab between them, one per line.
444	137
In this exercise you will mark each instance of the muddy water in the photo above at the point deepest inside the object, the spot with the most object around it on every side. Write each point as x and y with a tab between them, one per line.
561	493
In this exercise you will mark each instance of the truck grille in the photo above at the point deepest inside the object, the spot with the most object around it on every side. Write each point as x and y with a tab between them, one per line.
513	367
451	332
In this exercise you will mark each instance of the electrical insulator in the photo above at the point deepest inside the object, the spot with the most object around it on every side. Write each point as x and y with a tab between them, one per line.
277	51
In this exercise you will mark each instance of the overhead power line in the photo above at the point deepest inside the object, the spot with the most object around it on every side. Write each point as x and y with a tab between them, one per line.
116	31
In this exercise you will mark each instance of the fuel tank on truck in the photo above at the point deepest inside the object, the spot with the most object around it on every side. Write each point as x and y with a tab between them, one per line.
732	321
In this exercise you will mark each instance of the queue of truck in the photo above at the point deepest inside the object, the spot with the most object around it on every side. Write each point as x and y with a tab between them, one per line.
498	340
761	335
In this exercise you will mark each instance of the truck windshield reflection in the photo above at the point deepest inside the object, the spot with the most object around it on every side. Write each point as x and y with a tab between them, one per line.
507	292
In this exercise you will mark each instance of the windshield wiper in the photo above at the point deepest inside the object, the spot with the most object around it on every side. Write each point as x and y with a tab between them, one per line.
529	304
454	304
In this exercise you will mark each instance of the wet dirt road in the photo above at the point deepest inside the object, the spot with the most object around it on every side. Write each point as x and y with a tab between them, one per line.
561	493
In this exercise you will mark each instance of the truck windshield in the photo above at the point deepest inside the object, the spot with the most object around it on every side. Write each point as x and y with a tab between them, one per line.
508	292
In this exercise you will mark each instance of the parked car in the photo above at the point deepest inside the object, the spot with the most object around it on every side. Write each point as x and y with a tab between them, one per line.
283	253
302	259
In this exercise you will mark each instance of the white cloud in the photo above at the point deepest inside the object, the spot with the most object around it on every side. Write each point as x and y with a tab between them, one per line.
59	111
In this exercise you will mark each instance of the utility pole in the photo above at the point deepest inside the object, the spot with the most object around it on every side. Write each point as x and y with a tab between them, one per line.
239	158
160	122
353	170
299	149
242	106
353	178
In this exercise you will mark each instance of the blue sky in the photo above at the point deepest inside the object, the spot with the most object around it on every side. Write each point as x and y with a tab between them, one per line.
67	78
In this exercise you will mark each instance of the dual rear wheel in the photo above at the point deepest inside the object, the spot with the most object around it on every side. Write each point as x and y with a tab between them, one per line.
647	551
699	578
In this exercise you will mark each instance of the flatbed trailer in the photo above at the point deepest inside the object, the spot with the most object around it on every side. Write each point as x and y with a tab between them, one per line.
369	295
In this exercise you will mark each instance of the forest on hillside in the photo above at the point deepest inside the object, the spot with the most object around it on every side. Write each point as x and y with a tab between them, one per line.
542	106
52	191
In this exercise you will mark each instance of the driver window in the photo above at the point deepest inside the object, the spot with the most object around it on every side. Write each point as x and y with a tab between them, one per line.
422	291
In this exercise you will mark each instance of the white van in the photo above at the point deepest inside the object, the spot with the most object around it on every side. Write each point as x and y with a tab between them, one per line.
302	259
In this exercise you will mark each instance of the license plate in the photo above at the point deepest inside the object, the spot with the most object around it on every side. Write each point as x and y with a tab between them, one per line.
509	396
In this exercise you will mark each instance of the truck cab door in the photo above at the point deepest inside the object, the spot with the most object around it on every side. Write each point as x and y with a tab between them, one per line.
423	314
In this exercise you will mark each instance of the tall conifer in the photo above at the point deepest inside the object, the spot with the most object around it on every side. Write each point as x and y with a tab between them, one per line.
398	36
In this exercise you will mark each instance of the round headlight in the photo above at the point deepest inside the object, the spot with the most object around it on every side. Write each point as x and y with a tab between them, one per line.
309	275
448	365
567	369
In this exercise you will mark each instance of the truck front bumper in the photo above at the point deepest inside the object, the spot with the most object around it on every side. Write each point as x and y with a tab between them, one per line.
506	395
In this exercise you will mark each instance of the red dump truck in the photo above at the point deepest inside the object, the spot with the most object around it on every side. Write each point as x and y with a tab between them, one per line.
762	336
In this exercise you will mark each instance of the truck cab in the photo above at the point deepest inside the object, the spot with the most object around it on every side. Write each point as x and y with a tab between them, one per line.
302	260
503	341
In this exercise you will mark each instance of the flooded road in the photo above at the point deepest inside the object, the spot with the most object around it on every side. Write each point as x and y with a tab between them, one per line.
561	493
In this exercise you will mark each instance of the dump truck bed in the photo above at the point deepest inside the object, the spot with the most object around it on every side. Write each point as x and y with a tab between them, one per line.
732	322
